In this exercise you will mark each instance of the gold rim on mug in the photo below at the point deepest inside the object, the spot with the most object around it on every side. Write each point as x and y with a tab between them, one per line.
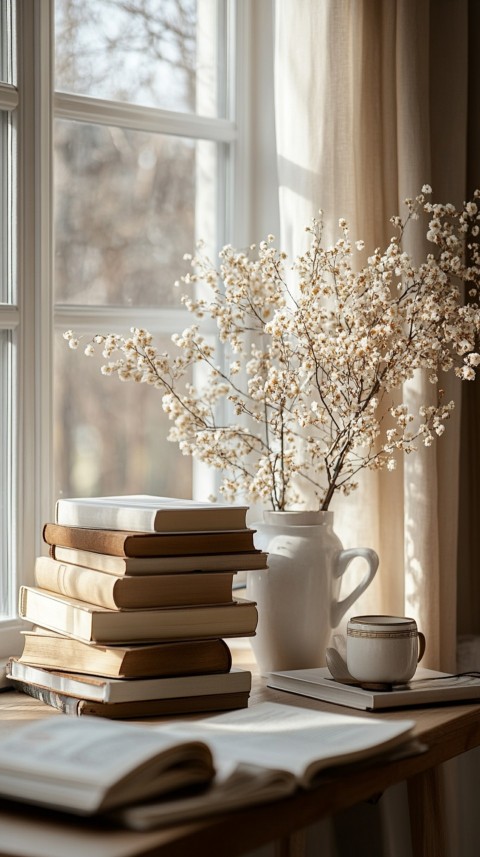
381	619
384	635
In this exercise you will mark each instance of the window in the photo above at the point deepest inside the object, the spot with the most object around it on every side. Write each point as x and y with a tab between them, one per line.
122	141
138	174
9	315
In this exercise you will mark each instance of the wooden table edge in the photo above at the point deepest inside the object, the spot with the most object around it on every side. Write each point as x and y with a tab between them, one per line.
448	731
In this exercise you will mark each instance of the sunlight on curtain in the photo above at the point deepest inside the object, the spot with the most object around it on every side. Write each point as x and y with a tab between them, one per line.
371	103
361	111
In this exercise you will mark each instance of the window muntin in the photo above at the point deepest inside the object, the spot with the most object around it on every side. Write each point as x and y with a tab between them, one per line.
125	205
7	458
141	51
9	316
5	169
8	219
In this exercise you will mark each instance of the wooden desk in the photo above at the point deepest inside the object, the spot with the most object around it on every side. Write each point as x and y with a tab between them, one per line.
448	731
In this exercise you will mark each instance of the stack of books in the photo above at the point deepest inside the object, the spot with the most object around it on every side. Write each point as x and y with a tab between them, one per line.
132	606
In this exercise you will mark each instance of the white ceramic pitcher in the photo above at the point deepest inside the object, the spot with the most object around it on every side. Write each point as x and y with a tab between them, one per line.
298	596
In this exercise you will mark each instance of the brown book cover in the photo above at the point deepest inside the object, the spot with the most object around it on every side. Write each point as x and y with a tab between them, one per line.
133	710
116	592
124	543
54	651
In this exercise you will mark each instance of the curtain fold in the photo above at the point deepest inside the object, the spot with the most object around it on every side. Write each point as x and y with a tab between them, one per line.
370	104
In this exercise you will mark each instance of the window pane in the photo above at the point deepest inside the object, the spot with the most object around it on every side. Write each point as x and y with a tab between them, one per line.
125	212
7	13
160	54
7	561
3	208
7	212
110	437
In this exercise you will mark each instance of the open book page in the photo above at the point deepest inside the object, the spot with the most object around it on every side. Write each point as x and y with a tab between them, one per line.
233	788
77	764
293	739
265	752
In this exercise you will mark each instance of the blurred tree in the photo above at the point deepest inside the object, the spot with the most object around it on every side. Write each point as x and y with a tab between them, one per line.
124	217
129	50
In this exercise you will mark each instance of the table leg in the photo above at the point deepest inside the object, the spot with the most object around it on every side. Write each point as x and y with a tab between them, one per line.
427	814
292	846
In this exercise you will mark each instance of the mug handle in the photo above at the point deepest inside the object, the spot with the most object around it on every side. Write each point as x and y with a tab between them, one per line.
421	646
344	558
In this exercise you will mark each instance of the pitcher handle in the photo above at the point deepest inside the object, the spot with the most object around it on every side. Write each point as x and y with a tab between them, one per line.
344	559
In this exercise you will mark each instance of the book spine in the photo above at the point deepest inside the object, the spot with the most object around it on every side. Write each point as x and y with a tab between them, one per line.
55	613
152	707
105	563
228	655
76	582
99	541
63	703
22	602
160	707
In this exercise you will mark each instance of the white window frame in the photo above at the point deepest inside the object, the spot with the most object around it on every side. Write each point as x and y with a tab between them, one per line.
34	318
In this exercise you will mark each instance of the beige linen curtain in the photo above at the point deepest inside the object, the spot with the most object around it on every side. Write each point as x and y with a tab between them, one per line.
371	103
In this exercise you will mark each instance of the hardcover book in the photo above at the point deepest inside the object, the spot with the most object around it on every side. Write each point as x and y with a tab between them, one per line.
54	651
146	513
136	689
117	592
135	709
427	687
244	561
256	763
91	623
122	543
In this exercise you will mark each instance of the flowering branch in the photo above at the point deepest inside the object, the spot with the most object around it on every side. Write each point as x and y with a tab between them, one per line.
310	373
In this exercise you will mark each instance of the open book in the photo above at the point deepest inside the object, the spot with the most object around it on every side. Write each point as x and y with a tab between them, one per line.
90	765
267	752
259	754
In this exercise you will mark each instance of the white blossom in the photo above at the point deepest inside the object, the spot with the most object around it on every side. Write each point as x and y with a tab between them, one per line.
313	354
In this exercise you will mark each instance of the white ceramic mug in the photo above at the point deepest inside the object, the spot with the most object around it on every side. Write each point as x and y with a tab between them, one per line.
383	649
